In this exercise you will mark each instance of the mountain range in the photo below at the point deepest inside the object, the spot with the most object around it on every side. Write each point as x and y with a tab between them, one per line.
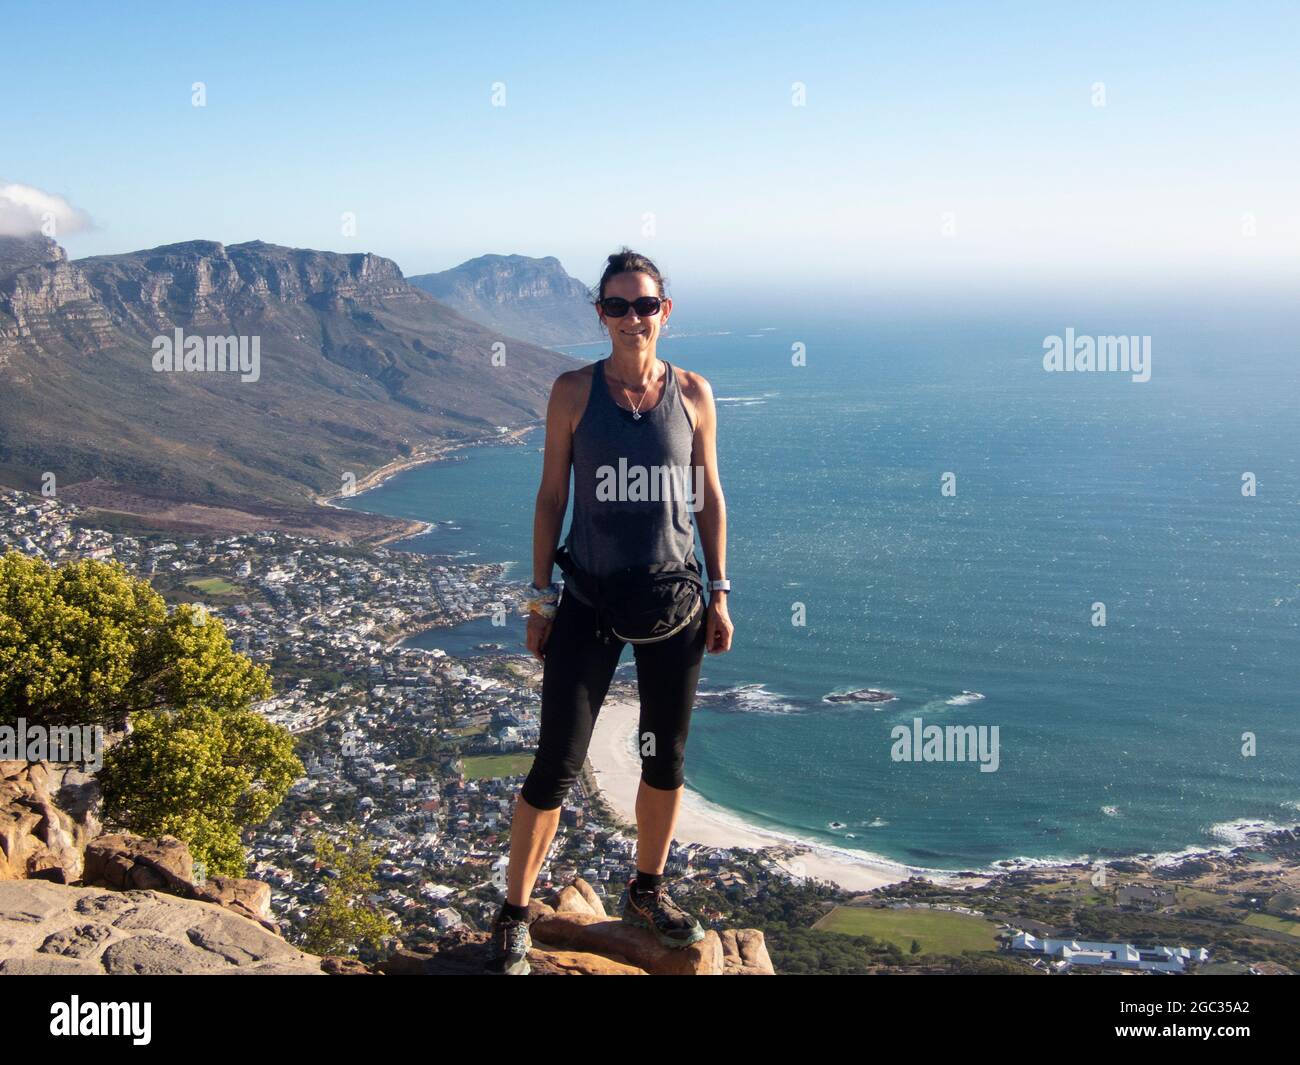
518	295
359	370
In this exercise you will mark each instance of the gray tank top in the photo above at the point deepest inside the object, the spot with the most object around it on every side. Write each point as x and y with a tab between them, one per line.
631	481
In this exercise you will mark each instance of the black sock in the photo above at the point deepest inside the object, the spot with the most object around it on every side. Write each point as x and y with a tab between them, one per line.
515	913
647	882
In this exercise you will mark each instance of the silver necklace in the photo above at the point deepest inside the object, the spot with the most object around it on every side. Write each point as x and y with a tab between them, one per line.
636	407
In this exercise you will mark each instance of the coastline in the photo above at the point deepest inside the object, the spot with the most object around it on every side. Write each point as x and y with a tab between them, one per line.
432	453
616	769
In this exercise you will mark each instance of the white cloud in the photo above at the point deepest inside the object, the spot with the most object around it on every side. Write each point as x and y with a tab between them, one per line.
25	211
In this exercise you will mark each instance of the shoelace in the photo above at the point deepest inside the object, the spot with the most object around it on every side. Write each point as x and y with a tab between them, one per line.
516	937
665	906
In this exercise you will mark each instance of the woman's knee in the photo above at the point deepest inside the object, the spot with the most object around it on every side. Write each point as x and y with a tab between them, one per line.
548	783
663	771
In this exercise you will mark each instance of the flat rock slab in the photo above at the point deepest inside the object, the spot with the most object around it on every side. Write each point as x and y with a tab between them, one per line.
53	929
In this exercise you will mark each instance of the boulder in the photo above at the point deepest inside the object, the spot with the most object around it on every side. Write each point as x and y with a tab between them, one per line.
593	900
463	952
612	938
124	861
577	963
573	899
338	965
250	898
744	953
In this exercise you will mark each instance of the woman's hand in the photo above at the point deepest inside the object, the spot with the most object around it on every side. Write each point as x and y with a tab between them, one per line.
539	630
718	627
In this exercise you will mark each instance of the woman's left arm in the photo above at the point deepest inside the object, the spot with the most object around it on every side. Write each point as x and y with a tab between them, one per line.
710	508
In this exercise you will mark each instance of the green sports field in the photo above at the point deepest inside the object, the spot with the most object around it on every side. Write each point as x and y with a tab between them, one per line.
491	766
1277	924
212	586
938	931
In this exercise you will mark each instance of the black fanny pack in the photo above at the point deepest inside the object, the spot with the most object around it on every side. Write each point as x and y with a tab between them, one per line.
640	604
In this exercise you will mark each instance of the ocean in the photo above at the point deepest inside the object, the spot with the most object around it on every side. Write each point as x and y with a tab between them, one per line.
1174	726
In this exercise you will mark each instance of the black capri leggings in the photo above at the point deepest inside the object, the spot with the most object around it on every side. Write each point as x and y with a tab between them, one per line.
577	669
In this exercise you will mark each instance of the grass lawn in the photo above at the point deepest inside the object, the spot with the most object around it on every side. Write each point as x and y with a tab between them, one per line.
492	766
1277	924
938	931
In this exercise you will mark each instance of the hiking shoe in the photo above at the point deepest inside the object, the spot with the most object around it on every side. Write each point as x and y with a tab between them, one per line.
656	912
508	950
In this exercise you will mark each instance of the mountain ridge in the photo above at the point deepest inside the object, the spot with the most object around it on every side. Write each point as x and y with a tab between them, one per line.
358	370
522	295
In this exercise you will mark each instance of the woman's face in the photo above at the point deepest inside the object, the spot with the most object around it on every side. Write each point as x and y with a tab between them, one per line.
632	333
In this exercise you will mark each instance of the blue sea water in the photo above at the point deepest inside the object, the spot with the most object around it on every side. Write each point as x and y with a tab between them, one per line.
1071	489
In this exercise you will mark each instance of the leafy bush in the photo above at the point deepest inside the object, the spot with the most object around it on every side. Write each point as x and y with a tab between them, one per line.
88	644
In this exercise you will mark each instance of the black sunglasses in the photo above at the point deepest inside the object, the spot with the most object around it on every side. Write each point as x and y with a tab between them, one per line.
617	306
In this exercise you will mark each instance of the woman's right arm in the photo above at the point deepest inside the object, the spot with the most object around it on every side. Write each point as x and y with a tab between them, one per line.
553	495
552	499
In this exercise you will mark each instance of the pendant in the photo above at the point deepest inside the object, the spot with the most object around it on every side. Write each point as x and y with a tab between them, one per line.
636	415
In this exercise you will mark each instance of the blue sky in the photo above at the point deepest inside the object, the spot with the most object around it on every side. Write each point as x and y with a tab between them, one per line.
977	116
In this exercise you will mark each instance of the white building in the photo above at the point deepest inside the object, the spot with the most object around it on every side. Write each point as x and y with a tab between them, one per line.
1069	952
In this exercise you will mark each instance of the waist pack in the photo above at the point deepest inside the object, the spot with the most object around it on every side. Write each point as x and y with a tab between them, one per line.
639	604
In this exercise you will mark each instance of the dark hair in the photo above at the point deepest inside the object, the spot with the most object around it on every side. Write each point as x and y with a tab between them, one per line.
624	261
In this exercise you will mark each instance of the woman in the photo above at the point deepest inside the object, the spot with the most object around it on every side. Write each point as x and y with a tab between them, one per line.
628	410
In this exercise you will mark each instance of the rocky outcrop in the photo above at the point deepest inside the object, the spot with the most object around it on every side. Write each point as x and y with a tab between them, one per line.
573	936
50	830
49	812
74	901
52	929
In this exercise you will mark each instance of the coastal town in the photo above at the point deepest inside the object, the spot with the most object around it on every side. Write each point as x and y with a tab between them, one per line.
424	751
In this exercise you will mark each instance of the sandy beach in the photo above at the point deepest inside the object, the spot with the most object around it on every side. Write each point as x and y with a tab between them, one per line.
617	768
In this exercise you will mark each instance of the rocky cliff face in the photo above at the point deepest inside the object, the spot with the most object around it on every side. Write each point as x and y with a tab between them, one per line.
357	369
195	283
526	297
202	282
42	295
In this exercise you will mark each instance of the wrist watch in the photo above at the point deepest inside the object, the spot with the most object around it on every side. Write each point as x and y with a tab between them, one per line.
720	586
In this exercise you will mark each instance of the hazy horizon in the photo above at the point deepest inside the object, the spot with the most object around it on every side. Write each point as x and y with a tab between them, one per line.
781	150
